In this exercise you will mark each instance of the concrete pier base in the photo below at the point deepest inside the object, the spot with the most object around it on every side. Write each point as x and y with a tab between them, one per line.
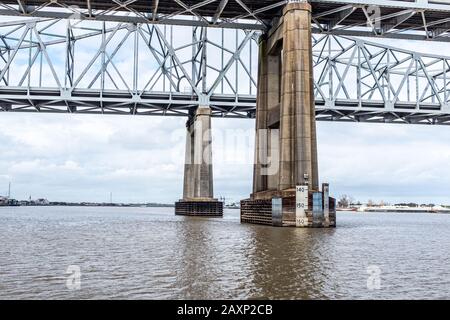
198	196
286	142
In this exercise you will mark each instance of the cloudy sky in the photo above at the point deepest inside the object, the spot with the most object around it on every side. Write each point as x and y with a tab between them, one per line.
140	159
83	158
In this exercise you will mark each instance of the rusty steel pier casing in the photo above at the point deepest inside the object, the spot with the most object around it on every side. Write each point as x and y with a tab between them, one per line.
286	128
198	199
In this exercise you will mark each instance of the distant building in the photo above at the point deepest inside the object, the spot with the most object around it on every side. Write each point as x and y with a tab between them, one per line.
41	202
13	202
5	201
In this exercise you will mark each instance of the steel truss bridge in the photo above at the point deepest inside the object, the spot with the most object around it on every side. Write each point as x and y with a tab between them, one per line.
167	57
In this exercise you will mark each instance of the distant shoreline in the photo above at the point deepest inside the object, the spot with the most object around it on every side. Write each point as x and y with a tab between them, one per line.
95	205
103	206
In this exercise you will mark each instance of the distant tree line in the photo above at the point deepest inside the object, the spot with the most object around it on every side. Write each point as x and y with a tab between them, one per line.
347	201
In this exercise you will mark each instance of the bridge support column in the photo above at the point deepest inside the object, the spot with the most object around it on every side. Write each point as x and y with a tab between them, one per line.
286	128
198	199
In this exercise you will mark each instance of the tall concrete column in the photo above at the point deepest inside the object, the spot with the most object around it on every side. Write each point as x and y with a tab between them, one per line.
260	180
298	144
198	174
267	119
203	173
188	187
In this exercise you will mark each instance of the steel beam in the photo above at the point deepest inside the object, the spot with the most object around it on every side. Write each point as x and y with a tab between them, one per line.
381	18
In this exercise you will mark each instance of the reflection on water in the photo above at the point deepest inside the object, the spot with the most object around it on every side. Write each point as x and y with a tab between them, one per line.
148	253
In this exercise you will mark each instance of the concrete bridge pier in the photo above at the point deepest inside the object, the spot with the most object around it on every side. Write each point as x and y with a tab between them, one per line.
286	167
198	197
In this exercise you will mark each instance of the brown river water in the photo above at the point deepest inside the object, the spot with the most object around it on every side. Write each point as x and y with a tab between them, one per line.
149	253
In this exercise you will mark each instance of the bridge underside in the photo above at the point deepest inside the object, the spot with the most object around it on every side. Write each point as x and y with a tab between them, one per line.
164	104
116	102
389	18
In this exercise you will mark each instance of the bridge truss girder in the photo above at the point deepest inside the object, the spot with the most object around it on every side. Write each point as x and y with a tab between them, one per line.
91	67
358	80
124	68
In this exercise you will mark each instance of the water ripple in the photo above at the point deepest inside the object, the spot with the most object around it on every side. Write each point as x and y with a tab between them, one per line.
148	253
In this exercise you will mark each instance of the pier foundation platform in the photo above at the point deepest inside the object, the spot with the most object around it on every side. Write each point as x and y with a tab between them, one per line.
205	208
280	209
